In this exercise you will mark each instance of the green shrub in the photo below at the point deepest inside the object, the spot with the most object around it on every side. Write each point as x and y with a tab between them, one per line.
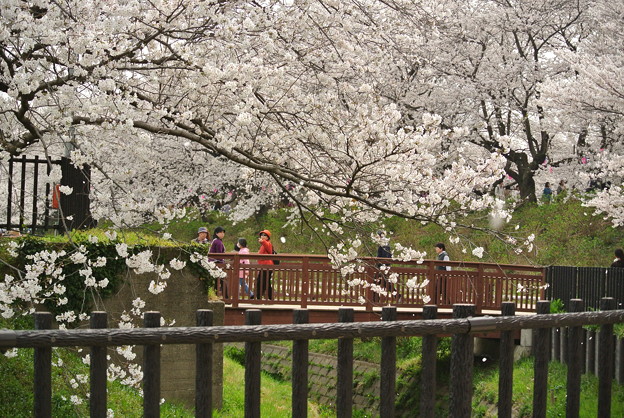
557	306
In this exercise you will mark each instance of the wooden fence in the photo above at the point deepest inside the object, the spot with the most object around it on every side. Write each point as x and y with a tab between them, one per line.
203	336
587	283
305	280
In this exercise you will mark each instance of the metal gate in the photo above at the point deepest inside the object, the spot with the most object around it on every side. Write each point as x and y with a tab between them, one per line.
33	205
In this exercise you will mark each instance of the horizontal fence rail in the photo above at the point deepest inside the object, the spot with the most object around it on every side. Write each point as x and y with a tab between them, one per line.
307	280
244	333
204	336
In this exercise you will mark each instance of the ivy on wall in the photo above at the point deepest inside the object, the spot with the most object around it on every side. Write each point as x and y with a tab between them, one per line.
61	269
79	297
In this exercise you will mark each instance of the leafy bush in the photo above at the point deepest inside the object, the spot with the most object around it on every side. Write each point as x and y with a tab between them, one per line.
557	306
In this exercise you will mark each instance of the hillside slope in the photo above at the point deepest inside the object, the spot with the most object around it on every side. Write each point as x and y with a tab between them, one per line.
566	233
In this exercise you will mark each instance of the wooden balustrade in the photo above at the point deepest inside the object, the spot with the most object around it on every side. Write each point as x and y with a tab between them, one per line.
307	280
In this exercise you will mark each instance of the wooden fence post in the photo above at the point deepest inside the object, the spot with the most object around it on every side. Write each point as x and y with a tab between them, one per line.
203	368
43	370
151	370
590	352
583	350
370	279
300	369
35	197
505	379
462	347
428	372
619	367
479	290
434	285
253	360
575	335
22	193
563	336
98	366
556	343
388	367
540	366
344	401
605	361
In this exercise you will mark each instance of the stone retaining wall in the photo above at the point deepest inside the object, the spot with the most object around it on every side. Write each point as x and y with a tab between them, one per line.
184	295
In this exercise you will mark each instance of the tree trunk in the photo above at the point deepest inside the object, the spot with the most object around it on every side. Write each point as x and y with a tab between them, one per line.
523	175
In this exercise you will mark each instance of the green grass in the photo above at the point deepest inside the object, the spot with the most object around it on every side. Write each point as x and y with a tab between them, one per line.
17	399
275	396
486	392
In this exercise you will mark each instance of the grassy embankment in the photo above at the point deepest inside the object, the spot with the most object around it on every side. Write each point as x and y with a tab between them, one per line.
565	234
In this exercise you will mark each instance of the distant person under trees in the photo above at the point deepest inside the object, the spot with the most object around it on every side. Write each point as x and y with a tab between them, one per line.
217	247
547	193
243	274
619	258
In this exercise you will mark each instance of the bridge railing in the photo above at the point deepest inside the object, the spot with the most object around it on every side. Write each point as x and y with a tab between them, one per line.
203	336
307	280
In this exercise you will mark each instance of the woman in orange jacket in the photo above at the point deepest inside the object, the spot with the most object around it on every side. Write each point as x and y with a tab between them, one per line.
263	282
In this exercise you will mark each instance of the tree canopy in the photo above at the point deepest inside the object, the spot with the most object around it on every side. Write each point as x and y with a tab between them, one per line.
358	109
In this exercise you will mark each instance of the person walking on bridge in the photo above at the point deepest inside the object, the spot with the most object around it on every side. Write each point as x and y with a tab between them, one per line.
217	247
202	236
440	249
243	274
263	281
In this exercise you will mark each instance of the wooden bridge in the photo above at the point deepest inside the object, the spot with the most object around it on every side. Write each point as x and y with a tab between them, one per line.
312	282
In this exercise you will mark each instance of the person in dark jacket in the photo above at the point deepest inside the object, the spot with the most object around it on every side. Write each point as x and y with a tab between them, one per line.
217	247
619	258
217	241
440	250
381	279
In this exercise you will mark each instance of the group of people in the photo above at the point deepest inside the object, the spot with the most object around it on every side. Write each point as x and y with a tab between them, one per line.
547	193
384	251
263	281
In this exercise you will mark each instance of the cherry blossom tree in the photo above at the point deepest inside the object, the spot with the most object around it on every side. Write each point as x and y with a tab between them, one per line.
594	99
484	65
283	92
